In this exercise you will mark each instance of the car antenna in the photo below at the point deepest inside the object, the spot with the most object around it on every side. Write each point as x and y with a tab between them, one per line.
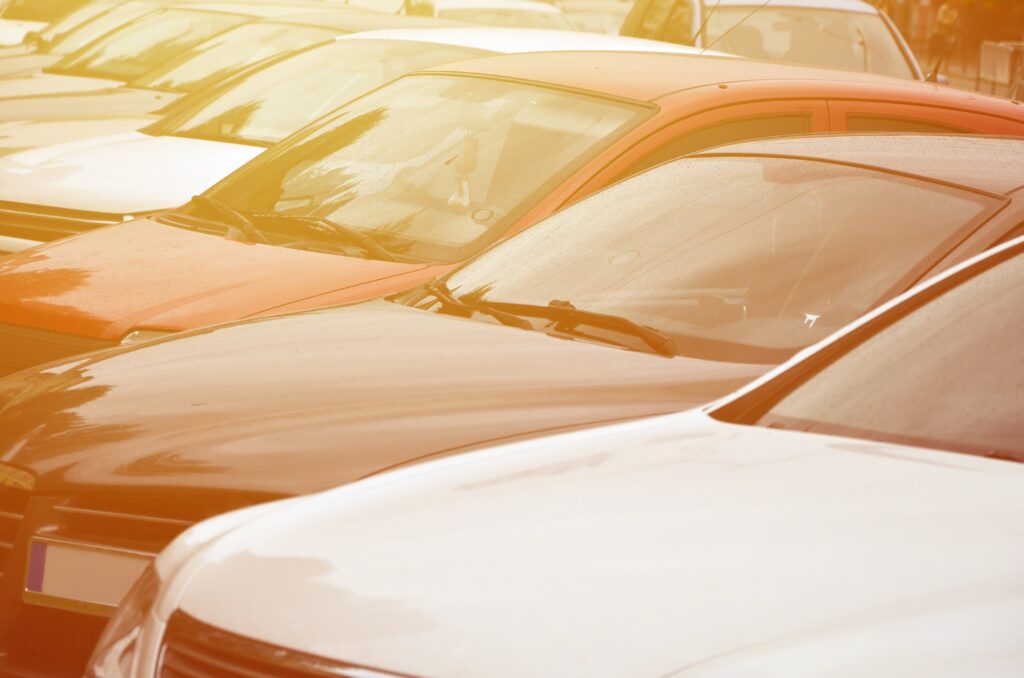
704	22
752	13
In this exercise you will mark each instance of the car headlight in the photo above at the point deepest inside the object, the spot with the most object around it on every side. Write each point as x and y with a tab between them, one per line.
140	335
116	649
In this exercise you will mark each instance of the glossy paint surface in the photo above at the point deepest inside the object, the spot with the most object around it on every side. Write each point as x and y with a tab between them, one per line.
287	419
18	136
672	546
155	172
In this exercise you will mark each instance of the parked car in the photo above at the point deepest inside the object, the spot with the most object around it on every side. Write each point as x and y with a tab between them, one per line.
29	122
20	17
508	13
202	139
662	292
138	47
362	205
843	34
596	16
853	514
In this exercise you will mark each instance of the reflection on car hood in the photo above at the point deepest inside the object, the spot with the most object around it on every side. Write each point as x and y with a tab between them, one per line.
13	32
672	546
144	273
25	64
51	83
122	173
113	101
299	403
20	136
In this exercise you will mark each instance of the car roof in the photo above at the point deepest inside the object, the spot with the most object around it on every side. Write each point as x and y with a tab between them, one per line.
522	5
650	76
844	5
355	20
516	40
987	163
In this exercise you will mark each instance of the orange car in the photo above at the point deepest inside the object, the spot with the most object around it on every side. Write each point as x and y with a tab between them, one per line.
404	183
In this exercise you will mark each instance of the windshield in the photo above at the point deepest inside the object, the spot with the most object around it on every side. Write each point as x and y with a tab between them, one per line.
739	259
949	375
433	167
39	10
229	53
267	105
145	43
75	19
508	17
99	26
848	41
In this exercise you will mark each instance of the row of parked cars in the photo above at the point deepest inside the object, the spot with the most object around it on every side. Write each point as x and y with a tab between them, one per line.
356	340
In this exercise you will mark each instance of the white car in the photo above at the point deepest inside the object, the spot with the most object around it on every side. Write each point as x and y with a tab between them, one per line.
855	513
138	47
850	35
115	177
511	13
18	18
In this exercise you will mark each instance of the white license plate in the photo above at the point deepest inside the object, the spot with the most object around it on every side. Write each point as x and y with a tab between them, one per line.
82	578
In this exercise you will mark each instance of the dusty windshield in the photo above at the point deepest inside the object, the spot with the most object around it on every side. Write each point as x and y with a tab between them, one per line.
508	17
266	106
849	41
741	259
229	53
83	34
38	10
432	167
949	375
145	43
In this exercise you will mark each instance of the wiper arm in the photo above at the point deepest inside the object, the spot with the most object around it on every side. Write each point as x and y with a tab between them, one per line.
567	317
235	219
439	290
330	227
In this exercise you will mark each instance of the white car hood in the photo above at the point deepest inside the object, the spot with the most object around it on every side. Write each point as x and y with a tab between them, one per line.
51	83
119	174
24	135
671	546
12	32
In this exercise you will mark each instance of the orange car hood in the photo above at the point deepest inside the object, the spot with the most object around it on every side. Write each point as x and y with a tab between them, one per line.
147	274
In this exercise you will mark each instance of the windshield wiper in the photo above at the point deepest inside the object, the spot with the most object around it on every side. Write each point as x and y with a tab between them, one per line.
567	318
439	290
238	223
330	227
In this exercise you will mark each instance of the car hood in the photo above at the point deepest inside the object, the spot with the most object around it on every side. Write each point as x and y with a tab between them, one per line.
293	404
51	83
25	64
104	103
670	546
145	273
13	32
122	173
22	135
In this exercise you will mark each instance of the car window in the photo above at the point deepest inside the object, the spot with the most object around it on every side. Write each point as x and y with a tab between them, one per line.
949	375
849	41
740	258
75	19
433	167
666	20
879	123
145	43
229	53
731	131
265	106
99	26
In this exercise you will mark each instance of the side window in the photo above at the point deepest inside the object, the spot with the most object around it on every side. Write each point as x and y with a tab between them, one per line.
721	133
880	123
666	20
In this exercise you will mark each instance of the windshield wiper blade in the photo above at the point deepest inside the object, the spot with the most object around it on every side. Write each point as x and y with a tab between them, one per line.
235	219
439	290
567	317
341	231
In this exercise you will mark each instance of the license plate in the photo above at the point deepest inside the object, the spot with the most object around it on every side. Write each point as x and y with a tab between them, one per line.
81	578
